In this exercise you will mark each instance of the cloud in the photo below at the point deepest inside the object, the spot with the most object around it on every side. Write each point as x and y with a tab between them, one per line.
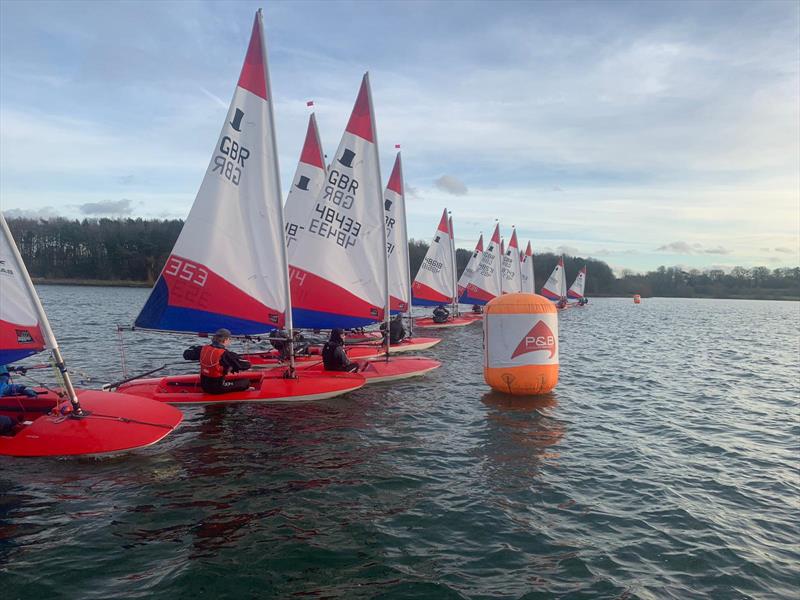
676	247
716	250
569	250
785	250
46	212
693	248
451	185
107	207
413	192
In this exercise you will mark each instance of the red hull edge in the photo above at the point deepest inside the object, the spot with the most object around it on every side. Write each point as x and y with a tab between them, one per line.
267	385
114	423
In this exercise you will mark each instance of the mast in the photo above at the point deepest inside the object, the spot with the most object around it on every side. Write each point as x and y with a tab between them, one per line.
387	312
453	262
279	195
405	249
43	322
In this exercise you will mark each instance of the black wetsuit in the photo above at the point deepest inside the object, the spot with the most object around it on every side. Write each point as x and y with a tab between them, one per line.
335	359
396	331
440	314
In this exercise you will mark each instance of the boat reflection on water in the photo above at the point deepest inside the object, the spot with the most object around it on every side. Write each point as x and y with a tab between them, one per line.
521	435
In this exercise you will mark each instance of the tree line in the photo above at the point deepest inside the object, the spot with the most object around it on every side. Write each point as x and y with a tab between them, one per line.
135	250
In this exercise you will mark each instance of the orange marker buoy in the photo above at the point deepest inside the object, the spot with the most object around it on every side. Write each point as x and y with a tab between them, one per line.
637	299
520	344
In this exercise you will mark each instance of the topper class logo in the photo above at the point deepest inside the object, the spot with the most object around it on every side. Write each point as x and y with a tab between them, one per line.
538	338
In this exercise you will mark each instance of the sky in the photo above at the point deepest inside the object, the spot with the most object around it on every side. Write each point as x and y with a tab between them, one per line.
641	134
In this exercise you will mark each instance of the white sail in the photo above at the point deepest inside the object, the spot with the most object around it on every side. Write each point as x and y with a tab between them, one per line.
227	267
433	283
577	288
526	271
510	266
555	288
469	271
307	183
20	331
394	202
338	263
485	282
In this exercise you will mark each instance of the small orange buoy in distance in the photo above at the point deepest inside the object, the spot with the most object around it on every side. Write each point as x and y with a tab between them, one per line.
520	344
637	299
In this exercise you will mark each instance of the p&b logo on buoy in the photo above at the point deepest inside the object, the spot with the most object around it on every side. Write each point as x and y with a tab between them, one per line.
524	365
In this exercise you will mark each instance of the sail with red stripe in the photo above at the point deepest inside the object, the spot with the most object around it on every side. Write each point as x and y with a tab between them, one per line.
511	267
394	203
526	271
338	263
309	177
576	290
20	331
469	271
226	269
485	281
555	287
433	284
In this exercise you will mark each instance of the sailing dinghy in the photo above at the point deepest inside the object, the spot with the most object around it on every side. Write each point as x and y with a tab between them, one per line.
435	282
468	275
576	290
229	267
526	271
484	283
555	288
510	267
340	261
69	422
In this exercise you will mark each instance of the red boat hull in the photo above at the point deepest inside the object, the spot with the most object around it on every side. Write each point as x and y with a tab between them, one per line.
113	423
429	323
379	370
267	385
270	359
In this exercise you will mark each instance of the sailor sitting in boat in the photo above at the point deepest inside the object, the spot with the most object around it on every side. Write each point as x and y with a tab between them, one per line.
477	309
396	330
333	354
440	314
583	301
278	340
216	361
14	389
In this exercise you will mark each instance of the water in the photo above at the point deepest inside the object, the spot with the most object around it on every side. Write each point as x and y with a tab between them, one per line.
664	466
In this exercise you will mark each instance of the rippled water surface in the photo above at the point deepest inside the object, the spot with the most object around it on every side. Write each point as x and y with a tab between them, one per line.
664	466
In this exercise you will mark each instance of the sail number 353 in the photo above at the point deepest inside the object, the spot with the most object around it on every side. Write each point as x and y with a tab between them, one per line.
187	271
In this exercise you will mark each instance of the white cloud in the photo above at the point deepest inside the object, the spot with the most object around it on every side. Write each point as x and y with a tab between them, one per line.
451	185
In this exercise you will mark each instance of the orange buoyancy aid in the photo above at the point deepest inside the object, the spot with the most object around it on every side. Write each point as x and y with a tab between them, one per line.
210	358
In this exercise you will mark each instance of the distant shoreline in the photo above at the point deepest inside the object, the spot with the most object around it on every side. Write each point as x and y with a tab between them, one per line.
145	284
92	282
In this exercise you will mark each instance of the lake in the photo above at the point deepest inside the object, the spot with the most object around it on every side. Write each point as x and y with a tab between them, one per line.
664	465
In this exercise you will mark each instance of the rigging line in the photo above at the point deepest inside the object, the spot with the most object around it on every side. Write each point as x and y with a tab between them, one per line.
91	415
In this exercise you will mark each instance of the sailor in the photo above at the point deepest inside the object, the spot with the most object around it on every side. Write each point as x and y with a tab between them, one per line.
333	354
477	309
562	303
216	361
396	330
583	301
278	339
440	314
14	389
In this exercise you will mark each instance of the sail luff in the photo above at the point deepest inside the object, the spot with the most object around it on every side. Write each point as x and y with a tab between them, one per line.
278	194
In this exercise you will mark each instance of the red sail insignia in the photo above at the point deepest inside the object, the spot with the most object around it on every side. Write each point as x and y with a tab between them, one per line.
538	338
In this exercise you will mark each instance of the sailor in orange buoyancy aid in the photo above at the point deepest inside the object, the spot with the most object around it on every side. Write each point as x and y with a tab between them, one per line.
216	361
